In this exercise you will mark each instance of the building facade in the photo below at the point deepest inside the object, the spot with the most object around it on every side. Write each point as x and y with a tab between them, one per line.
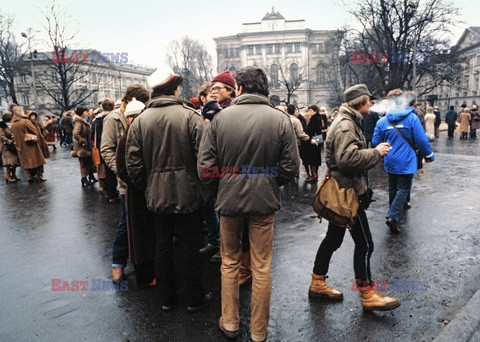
297	60
466	91
99	75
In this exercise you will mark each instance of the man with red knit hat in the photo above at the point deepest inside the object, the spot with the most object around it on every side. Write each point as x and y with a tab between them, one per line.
223	88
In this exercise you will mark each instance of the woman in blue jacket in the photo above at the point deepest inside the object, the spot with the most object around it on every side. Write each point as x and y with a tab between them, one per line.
401	162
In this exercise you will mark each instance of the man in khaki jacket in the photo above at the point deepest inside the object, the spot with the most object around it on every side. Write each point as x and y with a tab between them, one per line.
248	152
114	126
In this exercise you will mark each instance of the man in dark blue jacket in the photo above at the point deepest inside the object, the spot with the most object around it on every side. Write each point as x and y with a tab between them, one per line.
451	120
401	162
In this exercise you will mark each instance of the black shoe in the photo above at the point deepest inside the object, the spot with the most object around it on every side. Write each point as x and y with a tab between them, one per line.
208	250
92	178
407	206
85	181
207	299
393	225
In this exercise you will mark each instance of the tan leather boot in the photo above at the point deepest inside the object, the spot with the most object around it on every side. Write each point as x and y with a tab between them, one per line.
320	289
117	274
372	300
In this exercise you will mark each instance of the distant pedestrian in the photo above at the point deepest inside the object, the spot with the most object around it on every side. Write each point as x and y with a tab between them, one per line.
464	120
369	122
51	131
68	128
421	114
82	146
451	120
430	121
9	152
438	121
26	136
475	121
313	153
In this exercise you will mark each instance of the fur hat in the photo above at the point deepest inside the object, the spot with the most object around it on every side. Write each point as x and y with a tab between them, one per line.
134	107
225	78
162	77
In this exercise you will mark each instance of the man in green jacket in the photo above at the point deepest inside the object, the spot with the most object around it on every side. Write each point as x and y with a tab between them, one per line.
348	158
161	158
247	153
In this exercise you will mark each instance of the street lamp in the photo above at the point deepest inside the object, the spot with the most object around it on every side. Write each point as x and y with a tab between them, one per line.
24	35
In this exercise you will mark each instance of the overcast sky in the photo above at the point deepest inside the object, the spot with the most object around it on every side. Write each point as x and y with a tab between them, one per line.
145	29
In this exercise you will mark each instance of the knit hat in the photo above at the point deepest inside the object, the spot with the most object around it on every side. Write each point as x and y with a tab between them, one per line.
134	107
225	78
162	77
195	102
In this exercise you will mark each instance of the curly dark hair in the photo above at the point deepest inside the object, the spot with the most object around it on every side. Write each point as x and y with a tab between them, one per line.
138	91
252	79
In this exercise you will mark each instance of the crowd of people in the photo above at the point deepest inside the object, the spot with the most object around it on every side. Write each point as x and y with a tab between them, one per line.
218	161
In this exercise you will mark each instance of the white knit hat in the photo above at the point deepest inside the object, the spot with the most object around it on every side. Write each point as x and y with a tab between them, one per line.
134	107
161	77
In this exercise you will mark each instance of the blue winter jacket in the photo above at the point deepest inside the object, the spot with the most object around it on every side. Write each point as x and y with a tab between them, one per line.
401	160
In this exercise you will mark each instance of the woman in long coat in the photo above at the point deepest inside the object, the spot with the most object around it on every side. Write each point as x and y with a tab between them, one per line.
30	154
51	131
464	119
82	146
312	153
9	152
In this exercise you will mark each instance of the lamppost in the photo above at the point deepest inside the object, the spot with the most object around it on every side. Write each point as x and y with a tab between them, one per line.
24	35
414	6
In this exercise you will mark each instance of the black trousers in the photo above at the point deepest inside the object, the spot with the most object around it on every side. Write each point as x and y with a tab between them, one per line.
188	229
110	183
451	129
363	247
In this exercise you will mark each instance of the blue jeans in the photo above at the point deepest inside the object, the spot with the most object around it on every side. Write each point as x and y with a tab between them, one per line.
120	244
213	223
398	193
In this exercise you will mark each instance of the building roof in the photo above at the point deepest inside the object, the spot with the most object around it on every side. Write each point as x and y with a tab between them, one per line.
273	15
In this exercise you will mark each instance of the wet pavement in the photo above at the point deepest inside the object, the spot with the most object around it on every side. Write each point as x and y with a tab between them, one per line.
59	230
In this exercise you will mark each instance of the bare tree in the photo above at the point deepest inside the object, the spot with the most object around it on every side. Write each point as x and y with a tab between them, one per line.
189	58
65	78
401	28
10	57
286	75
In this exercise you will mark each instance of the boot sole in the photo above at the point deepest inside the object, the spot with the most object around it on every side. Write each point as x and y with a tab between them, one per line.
314	295
383	308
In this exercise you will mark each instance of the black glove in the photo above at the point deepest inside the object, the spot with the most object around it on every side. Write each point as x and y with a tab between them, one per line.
210	109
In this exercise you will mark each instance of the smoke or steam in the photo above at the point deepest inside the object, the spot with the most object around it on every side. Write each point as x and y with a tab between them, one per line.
393	104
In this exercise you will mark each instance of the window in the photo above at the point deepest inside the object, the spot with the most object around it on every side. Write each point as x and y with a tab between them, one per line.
274	74
313	48
258	49
25	100
321	48
232	69
237	52
289	47
320	74
297	47
250	50
269	49
232	52
478	60
293	72
23	78
277	48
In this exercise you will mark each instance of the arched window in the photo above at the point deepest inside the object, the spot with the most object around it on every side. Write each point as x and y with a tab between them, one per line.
232	69
293	72
321	74
274	74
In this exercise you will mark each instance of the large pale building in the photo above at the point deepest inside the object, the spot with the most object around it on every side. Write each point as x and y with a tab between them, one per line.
107	78
298	60
467	90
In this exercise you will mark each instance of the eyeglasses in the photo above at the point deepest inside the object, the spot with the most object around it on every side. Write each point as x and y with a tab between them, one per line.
217	88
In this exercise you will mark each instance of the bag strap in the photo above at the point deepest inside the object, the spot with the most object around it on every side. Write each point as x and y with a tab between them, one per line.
95	136
401	134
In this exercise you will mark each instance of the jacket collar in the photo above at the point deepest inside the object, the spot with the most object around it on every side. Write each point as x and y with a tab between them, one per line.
352	114
79	118
251	99
167	100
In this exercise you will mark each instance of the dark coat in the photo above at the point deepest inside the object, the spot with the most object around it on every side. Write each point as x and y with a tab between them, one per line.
312	154
475	114
249	134
68	124
9	157
140	227
161	155
368	124
451	117
30	155
82	146
438	118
